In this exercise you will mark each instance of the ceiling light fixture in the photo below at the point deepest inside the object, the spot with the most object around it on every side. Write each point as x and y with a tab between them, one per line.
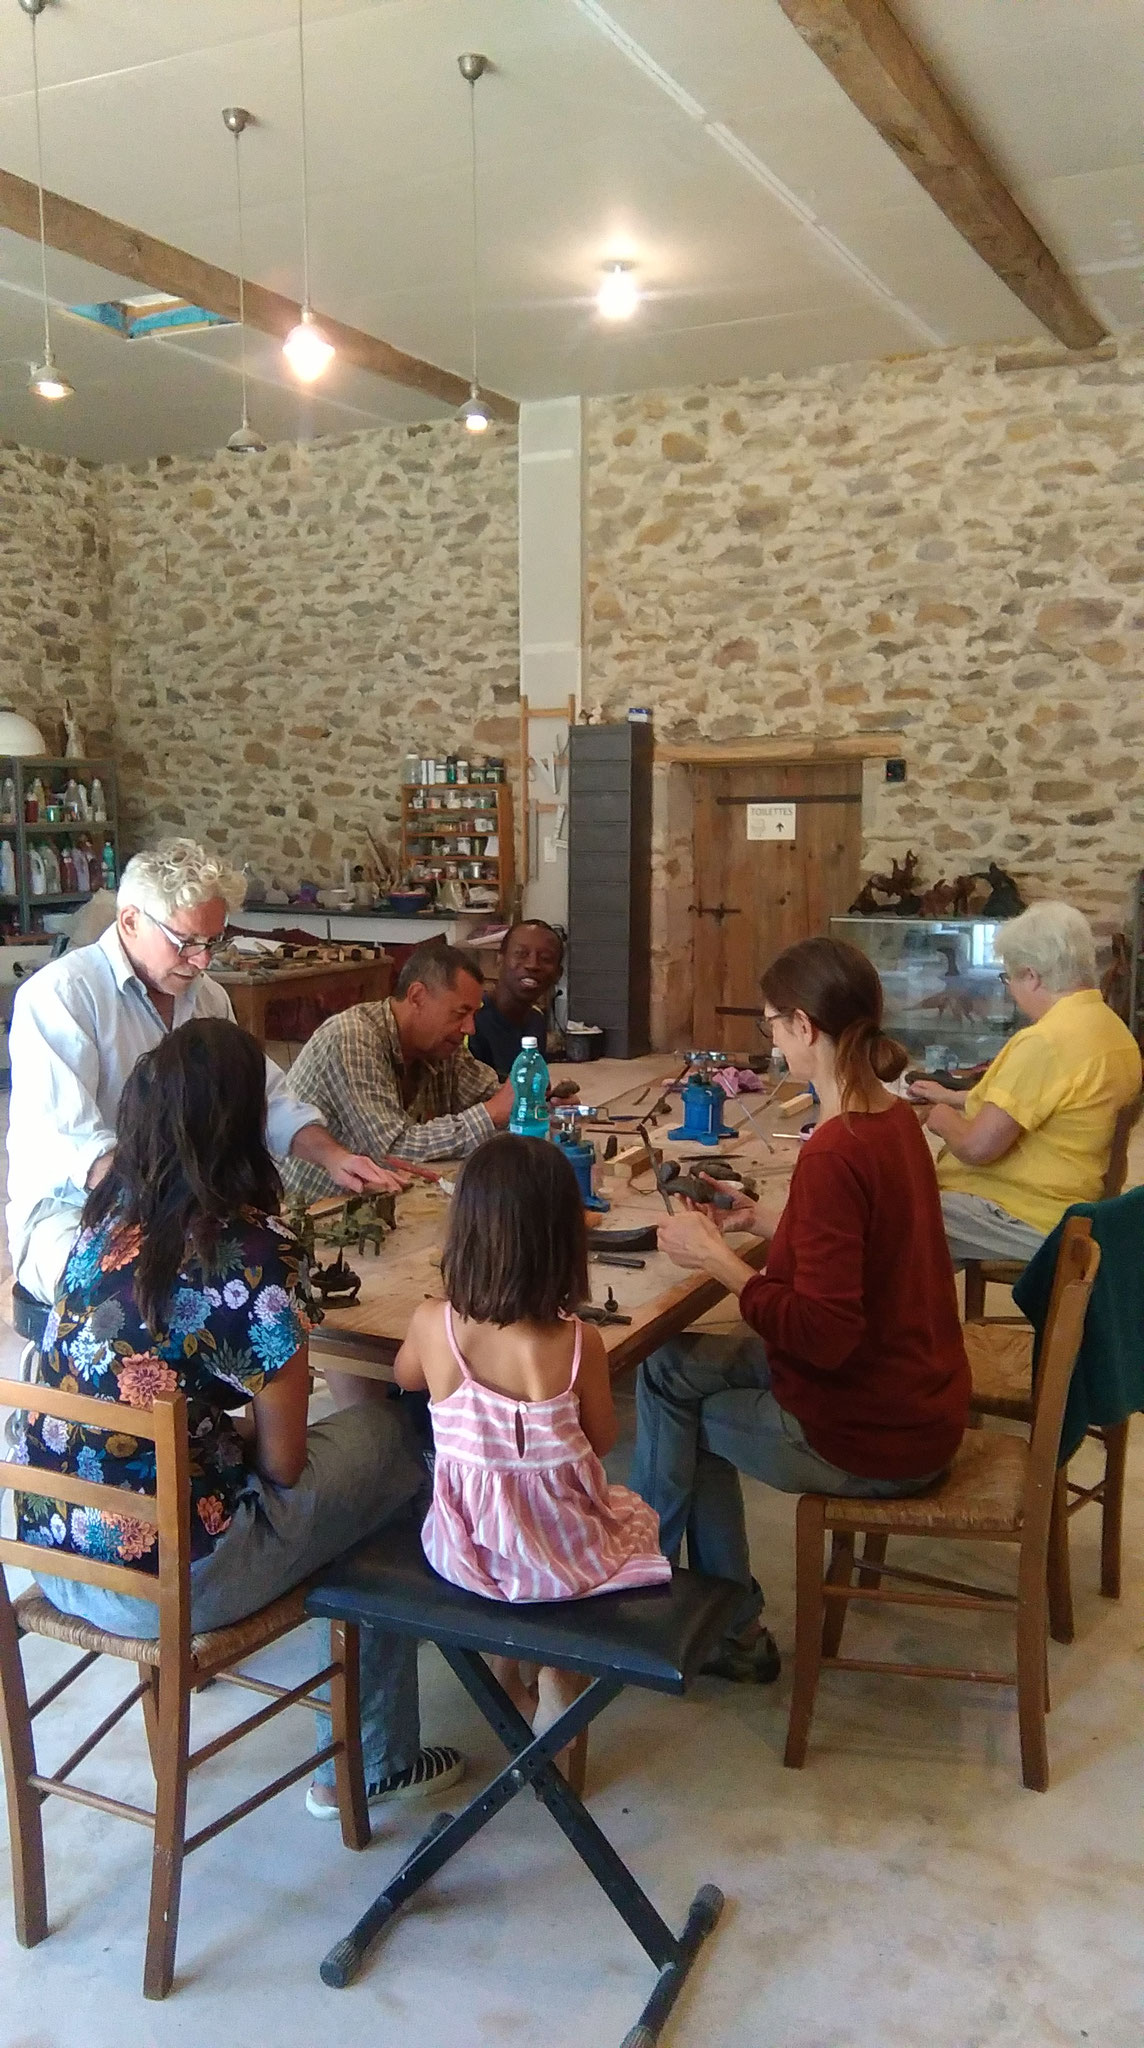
307	348
619	295
244	440
474	412
47	379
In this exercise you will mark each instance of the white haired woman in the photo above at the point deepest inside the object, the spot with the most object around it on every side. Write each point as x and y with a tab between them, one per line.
1035	1134
80	1024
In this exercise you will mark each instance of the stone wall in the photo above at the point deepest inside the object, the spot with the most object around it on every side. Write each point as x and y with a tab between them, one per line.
54	641
286	625
928	545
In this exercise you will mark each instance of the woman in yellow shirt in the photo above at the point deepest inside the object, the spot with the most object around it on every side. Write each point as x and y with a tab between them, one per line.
1035	1134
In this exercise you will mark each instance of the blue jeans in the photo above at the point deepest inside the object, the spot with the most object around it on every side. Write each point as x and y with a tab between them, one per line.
704	1413
360	1474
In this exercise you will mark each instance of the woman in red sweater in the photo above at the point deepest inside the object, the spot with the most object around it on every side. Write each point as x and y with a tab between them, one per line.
851	1376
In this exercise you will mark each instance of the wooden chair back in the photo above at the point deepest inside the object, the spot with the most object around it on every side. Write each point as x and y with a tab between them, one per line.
1117	1170
168	1509
1078	1261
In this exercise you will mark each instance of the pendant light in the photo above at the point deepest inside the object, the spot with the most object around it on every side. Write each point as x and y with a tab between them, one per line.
307	348
474	412
244	440
47	379
618	296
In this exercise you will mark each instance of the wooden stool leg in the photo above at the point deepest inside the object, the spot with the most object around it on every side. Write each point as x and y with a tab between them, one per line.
809	1538
25	1827
149	1676
1059	1571
174	1730
974	1292
345	1725
838	1573
1112	1512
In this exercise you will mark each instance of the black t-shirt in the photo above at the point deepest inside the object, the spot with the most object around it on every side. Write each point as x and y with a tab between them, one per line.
496	1039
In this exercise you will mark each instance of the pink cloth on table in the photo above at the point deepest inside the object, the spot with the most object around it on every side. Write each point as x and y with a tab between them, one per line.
522	1508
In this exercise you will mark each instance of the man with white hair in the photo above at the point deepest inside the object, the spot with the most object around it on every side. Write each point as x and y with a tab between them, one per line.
1035	1134
80	1024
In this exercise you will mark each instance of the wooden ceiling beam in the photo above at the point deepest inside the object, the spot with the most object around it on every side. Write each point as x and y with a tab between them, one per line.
865	48
76	230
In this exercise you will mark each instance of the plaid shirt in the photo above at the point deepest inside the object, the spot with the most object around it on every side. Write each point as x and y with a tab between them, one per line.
354	1072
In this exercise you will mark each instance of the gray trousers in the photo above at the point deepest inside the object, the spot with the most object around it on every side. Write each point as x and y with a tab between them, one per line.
361	1473
705	1412
979	1229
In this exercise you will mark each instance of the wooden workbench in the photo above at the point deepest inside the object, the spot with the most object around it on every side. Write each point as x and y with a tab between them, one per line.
661	1299
335	984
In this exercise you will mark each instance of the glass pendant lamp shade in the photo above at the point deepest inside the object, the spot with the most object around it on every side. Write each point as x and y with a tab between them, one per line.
618	296
48	381
308	348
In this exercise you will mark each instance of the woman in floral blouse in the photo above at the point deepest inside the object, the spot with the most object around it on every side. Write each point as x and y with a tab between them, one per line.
184	1277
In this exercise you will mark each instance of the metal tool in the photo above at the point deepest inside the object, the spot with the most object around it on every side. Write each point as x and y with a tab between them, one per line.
703	1101
626	1259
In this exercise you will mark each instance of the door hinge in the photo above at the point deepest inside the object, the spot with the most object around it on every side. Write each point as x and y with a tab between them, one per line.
716	910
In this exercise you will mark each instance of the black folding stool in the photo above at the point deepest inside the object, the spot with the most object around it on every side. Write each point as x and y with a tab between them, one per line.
656	1637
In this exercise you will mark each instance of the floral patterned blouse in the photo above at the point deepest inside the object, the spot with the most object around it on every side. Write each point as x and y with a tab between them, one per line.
235	1320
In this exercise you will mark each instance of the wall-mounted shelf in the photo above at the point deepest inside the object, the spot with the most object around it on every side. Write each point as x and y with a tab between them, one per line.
54	772
446	811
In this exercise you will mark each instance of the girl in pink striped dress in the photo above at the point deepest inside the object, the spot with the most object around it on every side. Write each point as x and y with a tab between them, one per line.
521	1401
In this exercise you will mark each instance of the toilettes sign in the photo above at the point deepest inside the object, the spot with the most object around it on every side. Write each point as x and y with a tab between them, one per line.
771	821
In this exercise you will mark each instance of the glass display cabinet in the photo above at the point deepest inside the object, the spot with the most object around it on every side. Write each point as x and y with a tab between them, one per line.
945	1000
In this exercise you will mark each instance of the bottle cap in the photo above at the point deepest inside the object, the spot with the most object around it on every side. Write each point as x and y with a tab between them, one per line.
528	1045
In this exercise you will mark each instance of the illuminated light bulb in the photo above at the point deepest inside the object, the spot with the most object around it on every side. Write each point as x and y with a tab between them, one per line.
618	296
474	412
46	381
308	349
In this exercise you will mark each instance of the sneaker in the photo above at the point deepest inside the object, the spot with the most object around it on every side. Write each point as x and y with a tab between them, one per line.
756	1663
432	1770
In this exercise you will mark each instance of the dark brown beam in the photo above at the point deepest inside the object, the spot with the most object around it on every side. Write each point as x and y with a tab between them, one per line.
77	231
867	50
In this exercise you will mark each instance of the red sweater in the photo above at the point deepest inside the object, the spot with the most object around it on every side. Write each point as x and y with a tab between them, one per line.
857	1304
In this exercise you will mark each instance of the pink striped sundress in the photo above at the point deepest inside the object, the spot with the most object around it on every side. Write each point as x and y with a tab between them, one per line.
522	1508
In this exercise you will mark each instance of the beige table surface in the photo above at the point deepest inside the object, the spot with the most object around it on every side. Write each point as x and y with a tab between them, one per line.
661	1300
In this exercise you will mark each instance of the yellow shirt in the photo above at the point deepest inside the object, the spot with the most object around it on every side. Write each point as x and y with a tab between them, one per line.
1064	1080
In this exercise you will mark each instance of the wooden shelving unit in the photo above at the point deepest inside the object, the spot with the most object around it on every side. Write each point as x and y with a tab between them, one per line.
54	773
435	816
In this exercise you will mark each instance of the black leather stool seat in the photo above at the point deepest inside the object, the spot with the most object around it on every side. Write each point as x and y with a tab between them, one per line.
656	1637
29	1314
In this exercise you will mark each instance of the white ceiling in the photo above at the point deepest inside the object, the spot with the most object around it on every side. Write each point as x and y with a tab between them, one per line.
771	227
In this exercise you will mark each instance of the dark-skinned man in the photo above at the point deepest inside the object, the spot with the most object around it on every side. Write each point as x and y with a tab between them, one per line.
531	957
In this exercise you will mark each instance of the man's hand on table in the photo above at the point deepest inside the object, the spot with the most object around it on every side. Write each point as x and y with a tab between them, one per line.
350	1171
932	1091
563	1091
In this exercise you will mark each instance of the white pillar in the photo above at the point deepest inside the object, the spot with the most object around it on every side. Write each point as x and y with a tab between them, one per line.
551	520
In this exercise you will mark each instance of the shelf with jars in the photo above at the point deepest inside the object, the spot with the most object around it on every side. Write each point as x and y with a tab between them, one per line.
461	833
59	835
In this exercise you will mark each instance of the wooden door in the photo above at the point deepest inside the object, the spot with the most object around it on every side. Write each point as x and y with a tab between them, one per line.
754	896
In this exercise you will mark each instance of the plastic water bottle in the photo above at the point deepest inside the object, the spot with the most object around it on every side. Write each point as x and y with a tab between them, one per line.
529	1079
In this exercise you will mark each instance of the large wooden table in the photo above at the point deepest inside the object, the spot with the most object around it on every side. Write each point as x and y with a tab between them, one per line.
661	1299
342	982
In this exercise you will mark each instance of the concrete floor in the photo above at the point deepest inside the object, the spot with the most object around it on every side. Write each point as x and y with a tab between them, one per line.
902	1891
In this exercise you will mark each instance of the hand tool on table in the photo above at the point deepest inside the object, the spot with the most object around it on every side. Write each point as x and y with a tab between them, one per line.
591	1312
625	1259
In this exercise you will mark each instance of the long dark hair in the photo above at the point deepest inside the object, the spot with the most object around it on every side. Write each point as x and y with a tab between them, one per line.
517	1248
190	1153
839	990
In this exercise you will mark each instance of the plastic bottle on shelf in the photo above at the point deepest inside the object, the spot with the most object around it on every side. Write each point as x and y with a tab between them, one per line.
68	882
73	802
8	801
411	769
529	1079
7	868
52	886
37	874
108	866
98	802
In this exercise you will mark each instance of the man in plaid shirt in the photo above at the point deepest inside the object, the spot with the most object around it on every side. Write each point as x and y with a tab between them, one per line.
395	1078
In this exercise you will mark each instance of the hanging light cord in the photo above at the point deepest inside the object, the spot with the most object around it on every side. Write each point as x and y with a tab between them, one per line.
40	191
241	275
305	165
473	192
